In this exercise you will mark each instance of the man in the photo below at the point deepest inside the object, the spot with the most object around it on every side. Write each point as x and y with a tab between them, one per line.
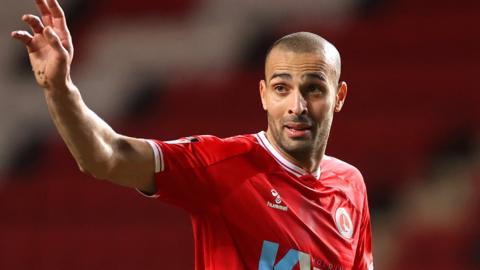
271	200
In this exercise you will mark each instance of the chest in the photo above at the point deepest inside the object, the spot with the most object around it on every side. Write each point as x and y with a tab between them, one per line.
281	214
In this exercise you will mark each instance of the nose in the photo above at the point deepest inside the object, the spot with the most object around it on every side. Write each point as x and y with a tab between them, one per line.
298	104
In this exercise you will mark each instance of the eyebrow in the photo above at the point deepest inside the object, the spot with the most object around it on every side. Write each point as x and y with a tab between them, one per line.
311	75
281	75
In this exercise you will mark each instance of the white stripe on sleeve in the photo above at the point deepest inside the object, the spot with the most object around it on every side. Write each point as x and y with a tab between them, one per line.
158	155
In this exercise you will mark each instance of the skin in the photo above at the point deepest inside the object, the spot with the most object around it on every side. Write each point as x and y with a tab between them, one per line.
300	94
96	147
290	101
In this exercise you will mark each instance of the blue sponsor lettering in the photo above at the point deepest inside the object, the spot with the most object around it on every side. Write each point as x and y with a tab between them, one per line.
293	256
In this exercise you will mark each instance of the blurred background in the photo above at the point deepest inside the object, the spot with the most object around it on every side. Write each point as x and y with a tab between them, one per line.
167	69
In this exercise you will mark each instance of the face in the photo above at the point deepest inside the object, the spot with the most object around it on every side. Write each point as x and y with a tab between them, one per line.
300	94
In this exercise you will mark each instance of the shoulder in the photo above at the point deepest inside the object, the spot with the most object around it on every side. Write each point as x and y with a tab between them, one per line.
214	149
345	171
235	144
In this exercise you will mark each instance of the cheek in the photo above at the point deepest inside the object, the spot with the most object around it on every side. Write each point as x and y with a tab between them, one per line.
321	110
275	108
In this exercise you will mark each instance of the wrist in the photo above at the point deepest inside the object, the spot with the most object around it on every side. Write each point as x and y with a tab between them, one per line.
64	89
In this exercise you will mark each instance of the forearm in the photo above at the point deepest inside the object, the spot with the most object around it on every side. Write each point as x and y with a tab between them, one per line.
89	139
97	149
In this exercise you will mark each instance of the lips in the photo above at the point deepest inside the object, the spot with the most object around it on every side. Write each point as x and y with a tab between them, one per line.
298	126
297	129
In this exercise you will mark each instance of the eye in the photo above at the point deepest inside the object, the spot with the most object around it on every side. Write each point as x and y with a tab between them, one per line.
315	89
280	88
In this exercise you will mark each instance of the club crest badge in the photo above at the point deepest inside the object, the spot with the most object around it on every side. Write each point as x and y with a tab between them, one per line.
344	223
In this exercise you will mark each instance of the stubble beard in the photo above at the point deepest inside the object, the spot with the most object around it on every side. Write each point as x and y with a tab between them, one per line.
302	150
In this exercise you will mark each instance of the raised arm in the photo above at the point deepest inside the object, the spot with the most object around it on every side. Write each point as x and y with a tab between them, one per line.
96	147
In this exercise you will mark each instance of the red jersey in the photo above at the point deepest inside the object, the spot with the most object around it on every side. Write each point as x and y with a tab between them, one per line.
253	209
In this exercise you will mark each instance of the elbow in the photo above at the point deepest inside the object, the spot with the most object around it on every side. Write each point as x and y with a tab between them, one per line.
96	172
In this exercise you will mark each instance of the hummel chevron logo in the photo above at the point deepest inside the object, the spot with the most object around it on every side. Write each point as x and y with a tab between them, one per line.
277	200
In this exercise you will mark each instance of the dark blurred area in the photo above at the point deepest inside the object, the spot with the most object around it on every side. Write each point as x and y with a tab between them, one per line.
168	69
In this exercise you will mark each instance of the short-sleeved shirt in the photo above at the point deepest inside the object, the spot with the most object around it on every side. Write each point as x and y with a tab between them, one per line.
253	209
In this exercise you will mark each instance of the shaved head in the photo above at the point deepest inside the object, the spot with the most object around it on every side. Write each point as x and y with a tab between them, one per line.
306	42
300	94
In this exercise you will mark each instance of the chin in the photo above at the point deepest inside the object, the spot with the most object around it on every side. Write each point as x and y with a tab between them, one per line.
297	147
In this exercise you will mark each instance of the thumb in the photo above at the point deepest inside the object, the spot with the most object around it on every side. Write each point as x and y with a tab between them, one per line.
53	39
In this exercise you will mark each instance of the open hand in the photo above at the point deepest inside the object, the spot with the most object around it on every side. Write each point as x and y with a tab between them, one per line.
49	46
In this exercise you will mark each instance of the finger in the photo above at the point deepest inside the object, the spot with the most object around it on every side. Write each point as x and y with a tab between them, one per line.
58	16
22	36
53	39
44	11
55	9
42	7
26	38
34	22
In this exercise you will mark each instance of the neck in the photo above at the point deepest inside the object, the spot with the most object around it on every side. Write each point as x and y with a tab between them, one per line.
309	161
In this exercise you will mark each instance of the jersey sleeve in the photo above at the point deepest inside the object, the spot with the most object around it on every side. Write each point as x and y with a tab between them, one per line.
363	255
183	173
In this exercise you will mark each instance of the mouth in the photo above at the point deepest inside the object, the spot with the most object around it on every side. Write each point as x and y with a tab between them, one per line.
298	130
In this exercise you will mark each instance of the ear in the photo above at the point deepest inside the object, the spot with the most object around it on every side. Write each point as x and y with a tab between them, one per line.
263	91
341	96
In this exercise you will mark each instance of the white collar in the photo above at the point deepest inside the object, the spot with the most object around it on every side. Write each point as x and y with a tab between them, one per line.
287	165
